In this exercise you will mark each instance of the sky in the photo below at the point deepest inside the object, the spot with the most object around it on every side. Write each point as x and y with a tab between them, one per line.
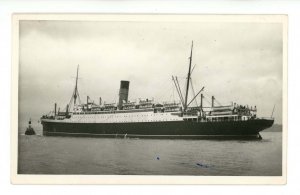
235	62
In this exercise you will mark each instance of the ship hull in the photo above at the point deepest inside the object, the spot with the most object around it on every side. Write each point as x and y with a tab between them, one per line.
167	129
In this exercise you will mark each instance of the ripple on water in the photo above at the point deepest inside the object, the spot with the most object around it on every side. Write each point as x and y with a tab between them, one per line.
75	155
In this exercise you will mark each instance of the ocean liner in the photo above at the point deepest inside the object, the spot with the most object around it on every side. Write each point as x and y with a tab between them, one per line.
149	119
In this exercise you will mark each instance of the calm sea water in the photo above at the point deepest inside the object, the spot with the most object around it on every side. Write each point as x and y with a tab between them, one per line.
75	155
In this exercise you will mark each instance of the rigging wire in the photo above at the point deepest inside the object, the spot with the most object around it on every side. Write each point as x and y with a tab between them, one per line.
177	70
194	91
209	103
172	96
218	102
214	99
164	93
206	100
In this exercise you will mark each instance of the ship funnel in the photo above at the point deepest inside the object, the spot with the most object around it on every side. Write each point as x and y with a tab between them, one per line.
123	93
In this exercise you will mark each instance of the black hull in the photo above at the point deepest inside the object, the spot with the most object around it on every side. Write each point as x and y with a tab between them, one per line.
168	130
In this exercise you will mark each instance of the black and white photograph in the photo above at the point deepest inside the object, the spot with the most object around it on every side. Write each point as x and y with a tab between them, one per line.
150	95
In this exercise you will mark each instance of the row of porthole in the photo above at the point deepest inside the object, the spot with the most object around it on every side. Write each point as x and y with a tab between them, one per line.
115	116
120	113
144	120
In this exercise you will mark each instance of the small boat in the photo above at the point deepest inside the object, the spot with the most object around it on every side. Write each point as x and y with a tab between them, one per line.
29	130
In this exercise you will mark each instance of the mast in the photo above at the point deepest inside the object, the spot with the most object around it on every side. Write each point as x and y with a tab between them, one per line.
188	80
75	92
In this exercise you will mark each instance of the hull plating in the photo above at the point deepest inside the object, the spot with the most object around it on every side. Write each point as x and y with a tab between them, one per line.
171	129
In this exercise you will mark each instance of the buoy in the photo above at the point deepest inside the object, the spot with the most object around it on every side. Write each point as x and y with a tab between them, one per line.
29	130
